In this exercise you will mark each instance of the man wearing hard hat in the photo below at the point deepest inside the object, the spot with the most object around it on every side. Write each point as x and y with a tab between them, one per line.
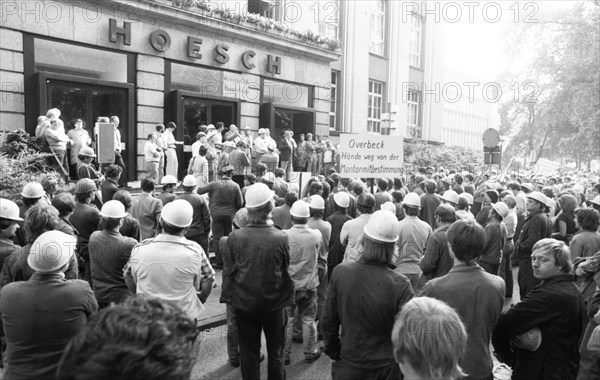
170	266
38	328
414	234
109	252
261	287
362	302
9	224
32	195
537	227
225	198
305	244
200	227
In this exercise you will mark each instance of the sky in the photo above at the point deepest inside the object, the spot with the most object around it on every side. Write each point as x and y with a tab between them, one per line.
473	43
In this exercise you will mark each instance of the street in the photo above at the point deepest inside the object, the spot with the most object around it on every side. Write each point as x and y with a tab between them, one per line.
213	363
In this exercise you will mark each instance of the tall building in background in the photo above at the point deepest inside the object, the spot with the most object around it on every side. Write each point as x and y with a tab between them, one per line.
470	106
391	57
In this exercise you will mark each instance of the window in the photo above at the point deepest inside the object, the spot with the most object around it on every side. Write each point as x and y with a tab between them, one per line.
333	99
416	27
292	94
266	8
330	19
375	102
413	122
377	26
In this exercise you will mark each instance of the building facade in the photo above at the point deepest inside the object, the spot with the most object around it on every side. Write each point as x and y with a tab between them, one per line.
151	62
470	106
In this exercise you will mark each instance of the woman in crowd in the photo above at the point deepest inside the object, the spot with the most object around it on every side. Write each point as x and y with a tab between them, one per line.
199	166
564	225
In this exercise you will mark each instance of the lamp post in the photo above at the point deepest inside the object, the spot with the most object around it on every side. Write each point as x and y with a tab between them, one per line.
389	118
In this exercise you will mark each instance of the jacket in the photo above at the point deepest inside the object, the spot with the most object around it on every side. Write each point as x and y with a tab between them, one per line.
224	195
536	227
556	307
437	260
54	310
478	297
259	279
363	299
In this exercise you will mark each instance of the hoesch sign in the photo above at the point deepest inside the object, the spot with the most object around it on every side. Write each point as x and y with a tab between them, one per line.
160	41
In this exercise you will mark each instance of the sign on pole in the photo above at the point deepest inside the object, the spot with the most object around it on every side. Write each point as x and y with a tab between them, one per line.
371	156
546	167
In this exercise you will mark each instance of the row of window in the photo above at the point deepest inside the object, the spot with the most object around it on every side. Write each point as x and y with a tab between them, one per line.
375	108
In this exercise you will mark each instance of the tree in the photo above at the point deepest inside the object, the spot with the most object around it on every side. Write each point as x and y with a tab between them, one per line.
552	103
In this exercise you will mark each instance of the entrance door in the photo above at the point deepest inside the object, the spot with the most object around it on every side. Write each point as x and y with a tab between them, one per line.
192	110
279	118
88	101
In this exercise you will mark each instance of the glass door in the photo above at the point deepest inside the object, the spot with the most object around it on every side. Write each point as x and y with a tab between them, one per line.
192	111
88	101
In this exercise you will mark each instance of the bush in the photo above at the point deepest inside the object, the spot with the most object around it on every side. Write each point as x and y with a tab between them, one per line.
21	161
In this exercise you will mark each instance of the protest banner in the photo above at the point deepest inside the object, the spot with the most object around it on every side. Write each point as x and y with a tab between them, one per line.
371	156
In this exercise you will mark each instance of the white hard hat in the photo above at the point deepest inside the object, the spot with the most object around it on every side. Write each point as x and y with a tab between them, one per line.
596	200
382	227
85	185
178	213
168	180
258	195
501	208
87	151
9	210
450	196
113	209
32	190
527	186
189	181
316	201
51	251
342	199
468	197
229	144
269	176
293	187
536	195
300	209
412	200
389	206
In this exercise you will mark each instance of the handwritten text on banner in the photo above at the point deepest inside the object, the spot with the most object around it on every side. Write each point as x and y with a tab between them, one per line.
370	156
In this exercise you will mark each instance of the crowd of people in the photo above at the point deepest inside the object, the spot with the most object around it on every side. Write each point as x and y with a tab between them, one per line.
397	277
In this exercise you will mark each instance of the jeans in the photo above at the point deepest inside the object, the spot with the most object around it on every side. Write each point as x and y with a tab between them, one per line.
321	292
306	310
221	226
250	325
526	279
341	370
506	268
233	339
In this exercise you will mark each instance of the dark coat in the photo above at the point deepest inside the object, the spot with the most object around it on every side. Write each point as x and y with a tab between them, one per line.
556	308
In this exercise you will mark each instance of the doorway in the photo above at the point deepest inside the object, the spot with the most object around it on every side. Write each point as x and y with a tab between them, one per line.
192	110
88	101
278	118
